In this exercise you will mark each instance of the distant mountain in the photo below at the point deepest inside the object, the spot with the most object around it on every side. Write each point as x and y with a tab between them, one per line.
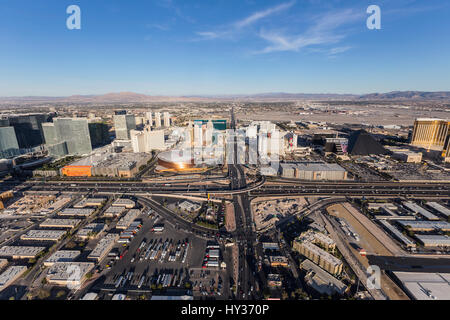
286	96
131	97
119	97
408	95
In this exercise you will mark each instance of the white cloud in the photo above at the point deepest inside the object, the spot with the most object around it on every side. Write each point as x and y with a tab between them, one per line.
230	30
262	14
323	31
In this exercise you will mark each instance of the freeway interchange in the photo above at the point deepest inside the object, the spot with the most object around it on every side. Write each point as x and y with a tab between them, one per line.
241	193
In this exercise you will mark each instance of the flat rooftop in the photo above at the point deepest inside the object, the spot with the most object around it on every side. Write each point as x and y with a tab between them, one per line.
89	202
313	166
105	158
125	221
434	240
426	225
63	271
321	279
52	235
68	223
11	274
418	209
400	236
91	228
439	208
76	212
123	202
426	286
26	251
114	211
103	246
62	256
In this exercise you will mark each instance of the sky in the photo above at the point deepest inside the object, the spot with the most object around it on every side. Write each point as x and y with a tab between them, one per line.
215	47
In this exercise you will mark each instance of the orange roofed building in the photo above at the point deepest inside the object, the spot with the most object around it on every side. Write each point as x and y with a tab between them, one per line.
77	171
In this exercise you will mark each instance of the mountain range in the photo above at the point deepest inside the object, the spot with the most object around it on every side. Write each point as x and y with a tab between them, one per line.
131	97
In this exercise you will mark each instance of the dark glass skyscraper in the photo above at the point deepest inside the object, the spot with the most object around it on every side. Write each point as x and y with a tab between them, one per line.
28	128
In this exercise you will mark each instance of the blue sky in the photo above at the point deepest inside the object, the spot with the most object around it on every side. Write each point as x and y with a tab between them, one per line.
190	47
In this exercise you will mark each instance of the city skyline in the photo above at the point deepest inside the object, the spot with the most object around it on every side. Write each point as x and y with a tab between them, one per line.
172	48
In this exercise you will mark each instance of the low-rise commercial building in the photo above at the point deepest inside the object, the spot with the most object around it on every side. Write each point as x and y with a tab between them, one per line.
43	235
114	211
439	208
313	171
396	233
60	223
418	225
20	252
10	275
437	241
278	261
77	212
425	285
189	206
92	230
69	273
62	256
90	202
416	209
103	247
125	221
124	202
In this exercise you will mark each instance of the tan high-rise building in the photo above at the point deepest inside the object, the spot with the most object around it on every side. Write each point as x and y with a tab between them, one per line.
430	134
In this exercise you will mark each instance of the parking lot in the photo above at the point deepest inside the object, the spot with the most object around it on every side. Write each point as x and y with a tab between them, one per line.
153	260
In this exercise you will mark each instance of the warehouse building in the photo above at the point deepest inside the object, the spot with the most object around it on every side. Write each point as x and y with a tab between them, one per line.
43	235
439	208
20	252
90	202
123	202
114	211
85	212
434	240
125	221
313	171
62	256
416	225
397	234
406	155
425	285
62	273
92	230
416	209
103	247
10	275
60	223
